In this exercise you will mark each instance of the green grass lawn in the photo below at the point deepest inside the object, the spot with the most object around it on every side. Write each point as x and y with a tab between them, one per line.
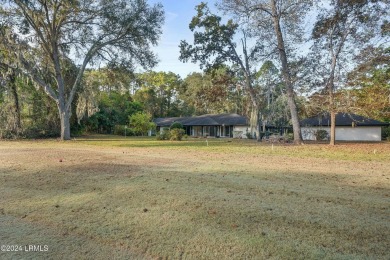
101	197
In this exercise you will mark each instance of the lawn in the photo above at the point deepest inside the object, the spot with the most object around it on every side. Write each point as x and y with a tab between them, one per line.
101	197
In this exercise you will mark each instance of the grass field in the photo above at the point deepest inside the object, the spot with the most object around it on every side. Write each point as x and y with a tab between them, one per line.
102	197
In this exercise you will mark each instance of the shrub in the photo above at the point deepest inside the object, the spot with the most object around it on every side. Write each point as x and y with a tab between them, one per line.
7	134
164	135
289	137
176	134
141	123
237	134
386	133
121	130
321	135
34	132
176	125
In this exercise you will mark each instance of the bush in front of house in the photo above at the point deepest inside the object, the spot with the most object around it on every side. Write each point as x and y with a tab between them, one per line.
176	125
289	137
176	134
164	134
386	133
321	135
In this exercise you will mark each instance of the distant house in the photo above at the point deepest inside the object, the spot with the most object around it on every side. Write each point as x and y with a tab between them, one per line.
219	125
349	127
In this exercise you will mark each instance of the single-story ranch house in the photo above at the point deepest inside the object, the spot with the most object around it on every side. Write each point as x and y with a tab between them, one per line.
349	127
221	125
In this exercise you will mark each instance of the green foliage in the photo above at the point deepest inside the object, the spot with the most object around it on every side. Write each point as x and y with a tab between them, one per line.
371	81
176	125
114	109
176	134
211	92
213	39
141	123
173	134
38	113
156	92
164	134
289	137
123	130
321	135
386	133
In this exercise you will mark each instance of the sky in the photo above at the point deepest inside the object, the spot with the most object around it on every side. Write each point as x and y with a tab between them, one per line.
178	15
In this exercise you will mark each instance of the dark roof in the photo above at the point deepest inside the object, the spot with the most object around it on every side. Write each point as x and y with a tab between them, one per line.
342	119
206	120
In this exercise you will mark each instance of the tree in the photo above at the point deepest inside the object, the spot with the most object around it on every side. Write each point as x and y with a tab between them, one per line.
164	86
113	108
148	98
210	92
99	83
274	21
44	35
36	111
267	78
141	123
9	79
370	81
214	45
341	29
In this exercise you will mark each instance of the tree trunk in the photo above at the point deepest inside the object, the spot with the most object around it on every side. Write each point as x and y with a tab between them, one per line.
17	123
254	121
332	127
286	76
332	108
294	116
65	121
332	112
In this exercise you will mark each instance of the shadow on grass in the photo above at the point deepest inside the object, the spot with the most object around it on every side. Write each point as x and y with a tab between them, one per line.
272	211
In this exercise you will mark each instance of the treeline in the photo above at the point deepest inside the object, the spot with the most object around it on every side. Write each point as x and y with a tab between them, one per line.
108	98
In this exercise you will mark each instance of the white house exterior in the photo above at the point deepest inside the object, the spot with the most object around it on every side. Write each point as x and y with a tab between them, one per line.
349	127
363	133
240	131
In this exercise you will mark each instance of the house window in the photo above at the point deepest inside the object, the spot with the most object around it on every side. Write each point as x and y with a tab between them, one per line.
197	131
213	131
227	130
206	131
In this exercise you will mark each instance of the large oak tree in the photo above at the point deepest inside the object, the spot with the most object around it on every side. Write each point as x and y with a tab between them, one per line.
44	36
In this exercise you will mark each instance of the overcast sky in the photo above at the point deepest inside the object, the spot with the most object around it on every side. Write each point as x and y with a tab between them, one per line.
178	15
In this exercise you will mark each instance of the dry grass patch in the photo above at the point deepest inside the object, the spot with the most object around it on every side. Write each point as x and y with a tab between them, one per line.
240	199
